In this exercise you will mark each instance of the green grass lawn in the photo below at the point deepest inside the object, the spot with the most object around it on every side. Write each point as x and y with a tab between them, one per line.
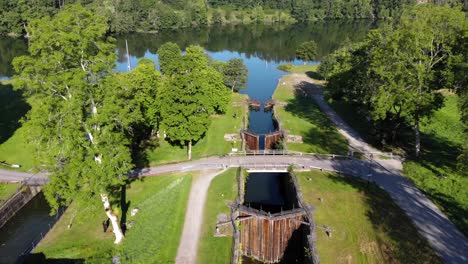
212	249
367	226
153	238
303	117
7	190
13	148
435	173
213	143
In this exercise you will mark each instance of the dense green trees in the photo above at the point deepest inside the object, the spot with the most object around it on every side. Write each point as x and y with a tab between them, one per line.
154	16
397	72
77	130
307	51
234	72
190	96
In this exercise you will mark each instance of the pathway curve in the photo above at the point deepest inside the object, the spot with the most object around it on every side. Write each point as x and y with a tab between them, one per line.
440	232
188	246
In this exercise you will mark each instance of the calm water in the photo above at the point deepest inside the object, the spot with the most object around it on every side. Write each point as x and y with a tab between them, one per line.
25	227
270	192
262	48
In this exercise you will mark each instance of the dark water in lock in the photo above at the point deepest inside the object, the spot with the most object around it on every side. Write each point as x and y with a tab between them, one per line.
263	48
270	192
24	229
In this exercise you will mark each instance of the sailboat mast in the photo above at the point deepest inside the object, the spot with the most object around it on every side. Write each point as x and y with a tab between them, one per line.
129	66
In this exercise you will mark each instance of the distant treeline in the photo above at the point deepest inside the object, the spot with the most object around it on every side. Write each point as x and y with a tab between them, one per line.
155	15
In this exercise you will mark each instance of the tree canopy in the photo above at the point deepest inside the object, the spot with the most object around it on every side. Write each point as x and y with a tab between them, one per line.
77	122
190	97
307	51
398	70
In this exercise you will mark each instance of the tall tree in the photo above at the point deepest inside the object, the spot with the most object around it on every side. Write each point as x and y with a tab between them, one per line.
235	74
307	51
410	61
169	56
190	97
78	133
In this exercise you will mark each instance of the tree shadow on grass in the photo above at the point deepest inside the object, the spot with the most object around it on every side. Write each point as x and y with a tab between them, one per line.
40	258
324	134
13	107
408	245
314	75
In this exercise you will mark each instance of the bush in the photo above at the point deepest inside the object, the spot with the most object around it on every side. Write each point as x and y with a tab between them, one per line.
285	67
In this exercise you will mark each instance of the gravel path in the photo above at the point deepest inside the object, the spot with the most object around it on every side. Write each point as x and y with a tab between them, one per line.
188	246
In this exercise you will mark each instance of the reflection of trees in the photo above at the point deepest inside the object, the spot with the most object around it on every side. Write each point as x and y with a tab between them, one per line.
272	43
10	48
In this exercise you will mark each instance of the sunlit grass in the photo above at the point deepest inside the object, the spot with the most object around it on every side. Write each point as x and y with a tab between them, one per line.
303	117
367	226
213	143
212	249
153	238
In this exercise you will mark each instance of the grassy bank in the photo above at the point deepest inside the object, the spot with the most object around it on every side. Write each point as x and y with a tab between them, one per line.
153	238
13	148
435	173
212	249
301	116
367	226
7	190
213	143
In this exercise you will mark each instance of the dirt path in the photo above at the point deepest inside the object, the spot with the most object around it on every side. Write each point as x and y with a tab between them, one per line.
188	246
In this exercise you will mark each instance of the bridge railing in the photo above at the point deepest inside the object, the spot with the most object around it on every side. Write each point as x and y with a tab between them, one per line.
270	152
352	154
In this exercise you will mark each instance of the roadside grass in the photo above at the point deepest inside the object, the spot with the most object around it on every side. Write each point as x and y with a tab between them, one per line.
303	117
435	172
367	226
7	190
212	249
212	144
153	238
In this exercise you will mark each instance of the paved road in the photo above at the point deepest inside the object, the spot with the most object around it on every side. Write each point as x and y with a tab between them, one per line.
188	246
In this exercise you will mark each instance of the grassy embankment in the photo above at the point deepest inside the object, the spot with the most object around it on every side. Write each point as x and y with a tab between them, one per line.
303	117
435	173
367	226
212	249
7	190
153	238
213	143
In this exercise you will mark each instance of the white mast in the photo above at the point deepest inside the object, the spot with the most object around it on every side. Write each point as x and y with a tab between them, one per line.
129	66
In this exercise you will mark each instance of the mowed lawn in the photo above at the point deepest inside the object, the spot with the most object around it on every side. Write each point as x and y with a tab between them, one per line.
153	238
436	172
212	249
367	226
301	116
213	143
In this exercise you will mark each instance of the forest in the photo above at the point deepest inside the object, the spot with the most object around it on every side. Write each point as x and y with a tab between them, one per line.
153	16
